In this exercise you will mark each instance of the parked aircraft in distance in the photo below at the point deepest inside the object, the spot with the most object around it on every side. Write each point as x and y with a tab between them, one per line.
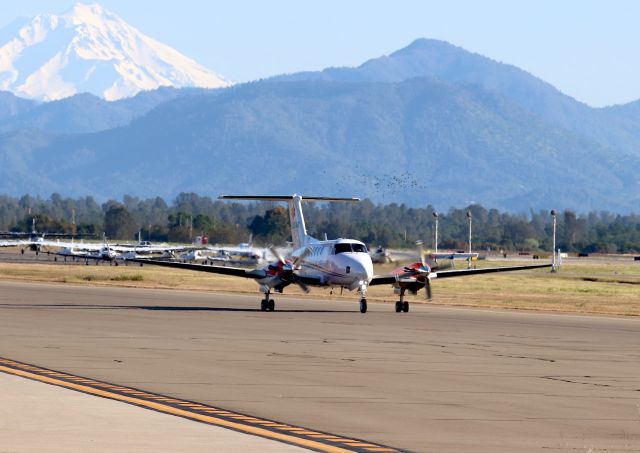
380	255
113	252
33	240
339	262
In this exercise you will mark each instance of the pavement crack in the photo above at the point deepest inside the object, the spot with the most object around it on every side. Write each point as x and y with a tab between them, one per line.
525	357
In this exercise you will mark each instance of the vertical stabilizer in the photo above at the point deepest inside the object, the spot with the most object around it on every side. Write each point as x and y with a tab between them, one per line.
299	234
298	228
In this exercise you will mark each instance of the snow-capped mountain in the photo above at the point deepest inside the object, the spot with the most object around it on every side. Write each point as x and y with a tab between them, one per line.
89	49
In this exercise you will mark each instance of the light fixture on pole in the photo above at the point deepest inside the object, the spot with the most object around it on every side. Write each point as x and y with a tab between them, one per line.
469	259
435	239
553	250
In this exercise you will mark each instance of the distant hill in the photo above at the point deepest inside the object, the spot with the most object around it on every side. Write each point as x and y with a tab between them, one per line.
416	141
444	61
84	113
11	105
430	123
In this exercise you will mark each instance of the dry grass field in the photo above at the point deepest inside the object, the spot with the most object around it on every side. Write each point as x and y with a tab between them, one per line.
597	286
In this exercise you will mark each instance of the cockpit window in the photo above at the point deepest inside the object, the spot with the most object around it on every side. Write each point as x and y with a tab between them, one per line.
359	248
349	247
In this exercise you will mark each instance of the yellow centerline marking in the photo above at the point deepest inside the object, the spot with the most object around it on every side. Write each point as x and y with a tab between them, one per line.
156	404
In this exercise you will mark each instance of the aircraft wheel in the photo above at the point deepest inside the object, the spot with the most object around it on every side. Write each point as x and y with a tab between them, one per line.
272	304
363	305
264	305
405	307
398	307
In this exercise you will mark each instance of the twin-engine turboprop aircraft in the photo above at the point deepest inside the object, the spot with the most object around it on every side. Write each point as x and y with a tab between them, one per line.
341	263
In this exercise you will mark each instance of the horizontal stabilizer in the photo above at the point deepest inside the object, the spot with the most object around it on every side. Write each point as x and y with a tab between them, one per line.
282	198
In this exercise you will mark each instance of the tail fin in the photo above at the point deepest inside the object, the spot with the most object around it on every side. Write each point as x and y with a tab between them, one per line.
299	234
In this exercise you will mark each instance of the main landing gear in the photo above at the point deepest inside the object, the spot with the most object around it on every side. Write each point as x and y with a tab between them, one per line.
267	304
402	305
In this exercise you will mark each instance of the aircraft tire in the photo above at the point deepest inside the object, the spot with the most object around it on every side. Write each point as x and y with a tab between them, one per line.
398	307
263	305
405	307
363	305
272	305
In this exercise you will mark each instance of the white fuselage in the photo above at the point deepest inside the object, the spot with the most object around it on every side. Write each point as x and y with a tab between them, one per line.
339	262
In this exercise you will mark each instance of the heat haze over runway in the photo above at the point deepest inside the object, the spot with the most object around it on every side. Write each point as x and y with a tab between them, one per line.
433	379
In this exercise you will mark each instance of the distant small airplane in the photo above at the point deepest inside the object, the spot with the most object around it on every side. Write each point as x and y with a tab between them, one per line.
33	240
380	255
113	252
340	262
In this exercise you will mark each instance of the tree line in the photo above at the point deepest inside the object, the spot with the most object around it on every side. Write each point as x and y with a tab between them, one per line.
390	225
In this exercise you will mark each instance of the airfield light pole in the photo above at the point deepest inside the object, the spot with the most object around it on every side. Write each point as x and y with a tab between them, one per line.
553	251
435	239
73	222
469	259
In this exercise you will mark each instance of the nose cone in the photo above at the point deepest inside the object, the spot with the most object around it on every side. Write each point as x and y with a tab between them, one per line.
361	266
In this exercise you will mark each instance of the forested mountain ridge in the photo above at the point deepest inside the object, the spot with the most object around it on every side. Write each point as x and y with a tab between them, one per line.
612	126
82	113
430	123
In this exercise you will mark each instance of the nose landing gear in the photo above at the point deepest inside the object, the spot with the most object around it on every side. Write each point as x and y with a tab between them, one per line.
363	299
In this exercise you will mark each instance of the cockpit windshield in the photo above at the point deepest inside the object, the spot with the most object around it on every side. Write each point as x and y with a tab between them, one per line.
350	247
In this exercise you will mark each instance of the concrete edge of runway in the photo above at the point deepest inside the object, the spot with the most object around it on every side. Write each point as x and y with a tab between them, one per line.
269	430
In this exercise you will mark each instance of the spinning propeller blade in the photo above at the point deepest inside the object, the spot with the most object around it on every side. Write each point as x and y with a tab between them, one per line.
425	271
421	253
277	254
428	295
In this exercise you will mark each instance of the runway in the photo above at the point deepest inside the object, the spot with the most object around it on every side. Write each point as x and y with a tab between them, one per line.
434	379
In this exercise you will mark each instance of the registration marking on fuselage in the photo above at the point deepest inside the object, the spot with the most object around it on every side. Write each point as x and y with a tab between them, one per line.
269	429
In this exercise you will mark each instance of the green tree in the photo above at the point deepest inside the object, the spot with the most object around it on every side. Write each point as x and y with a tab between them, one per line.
273	227
118	223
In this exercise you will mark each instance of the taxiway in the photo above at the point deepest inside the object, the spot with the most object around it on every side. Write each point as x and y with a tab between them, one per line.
434	379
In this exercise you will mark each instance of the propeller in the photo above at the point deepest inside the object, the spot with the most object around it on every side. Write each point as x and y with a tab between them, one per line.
288	267
425	272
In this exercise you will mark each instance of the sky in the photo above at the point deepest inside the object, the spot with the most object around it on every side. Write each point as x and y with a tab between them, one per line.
587	49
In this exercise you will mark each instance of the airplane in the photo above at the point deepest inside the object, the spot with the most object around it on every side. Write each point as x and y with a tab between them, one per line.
343	263
112	252
33	240
380	255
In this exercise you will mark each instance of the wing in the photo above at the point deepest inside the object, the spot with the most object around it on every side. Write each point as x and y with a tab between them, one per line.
383	280
225	270
393	278
486	270
256	274
76	245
